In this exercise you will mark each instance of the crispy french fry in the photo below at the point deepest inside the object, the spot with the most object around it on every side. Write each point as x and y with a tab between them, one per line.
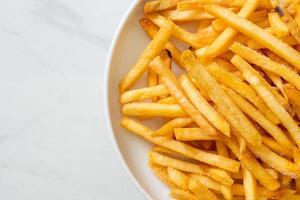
201	191
225	64
253	31
161	173
215	173
292	26
256	82
250	185
178	178
256	116
275	161
186	16
223	103
203	106
169	127
151	30
152	50
222	149
277	25
170	81
159	5
152	81
238	190
190	134
273	172
167	100
206	181
294	97
266	63
144	93
198	4
166	151
230	80
279	149
153	110
250	162
194	40
183	195
184	149
223	41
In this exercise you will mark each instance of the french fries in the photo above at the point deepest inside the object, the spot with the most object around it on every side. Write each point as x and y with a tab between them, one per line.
170	81
207	83
256	81
223	41
184	149
266	63
148	55
253	31
203	106
229	116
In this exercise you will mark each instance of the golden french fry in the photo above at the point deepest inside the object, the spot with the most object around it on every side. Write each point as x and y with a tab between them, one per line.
190	134
179	147
255	32
161	173
276	79
238	190
183	195
250	162
143	93
292	26
223	41
170	81
151	30
203	106
215	173
169	127
166	151
296	156
198	4
256	116
186	16
297	17
273	172
250	185
159	5
167	100
178	178
201	191
223	103
275	161
281	150
206	181
288	40
153	110
222	149
277	25
266	63
230	80
218	25
195	40
152	81
225	64
257	83
152	50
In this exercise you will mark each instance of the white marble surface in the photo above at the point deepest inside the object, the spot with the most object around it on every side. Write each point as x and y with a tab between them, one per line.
53	139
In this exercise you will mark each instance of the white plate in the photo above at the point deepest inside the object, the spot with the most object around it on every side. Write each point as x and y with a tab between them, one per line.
127	46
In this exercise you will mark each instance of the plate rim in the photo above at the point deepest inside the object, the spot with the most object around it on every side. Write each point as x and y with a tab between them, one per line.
107	115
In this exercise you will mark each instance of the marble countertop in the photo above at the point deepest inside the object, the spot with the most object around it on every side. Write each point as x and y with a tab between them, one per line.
53	139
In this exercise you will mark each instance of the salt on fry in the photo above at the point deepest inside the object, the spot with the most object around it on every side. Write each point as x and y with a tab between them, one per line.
255	32
152	50
256	116
256	81
224	104
223	41
266	63
170	81
203	106
184	149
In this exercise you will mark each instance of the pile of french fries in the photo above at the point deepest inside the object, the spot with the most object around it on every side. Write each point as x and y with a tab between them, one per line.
231	115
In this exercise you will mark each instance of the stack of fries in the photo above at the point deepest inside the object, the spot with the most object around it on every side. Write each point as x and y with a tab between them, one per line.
232	113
